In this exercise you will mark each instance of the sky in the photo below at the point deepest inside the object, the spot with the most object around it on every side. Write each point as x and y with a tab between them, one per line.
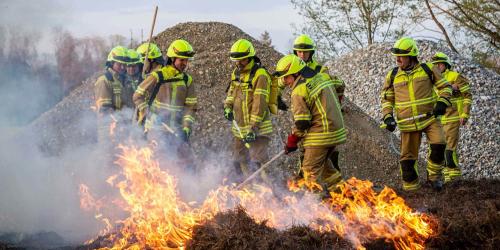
105	17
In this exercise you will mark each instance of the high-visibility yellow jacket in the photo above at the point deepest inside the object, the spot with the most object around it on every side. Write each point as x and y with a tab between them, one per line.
461	98
154	69
110	93
312	64
339	84
133	81
249	100
130	85
412	95
175	102
316	112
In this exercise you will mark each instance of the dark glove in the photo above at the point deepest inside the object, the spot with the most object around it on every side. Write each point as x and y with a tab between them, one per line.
391	123
186	133
291	144
439	109
250	137
228	114
281	104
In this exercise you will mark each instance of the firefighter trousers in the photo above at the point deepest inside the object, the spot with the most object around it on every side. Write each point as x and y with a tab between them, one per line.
318	167
410	143
248	160
452	168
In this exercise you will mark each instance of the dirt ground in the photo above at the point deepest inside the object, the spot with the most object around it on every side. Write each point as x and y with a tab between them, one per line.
468	214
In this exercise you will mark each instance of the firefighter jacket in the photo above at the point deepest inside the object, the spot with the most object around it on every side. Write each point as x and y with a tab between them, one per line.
249	100
412	95
339	84
110	92
133	81
461	98
316	112
156	68
130	85
175	101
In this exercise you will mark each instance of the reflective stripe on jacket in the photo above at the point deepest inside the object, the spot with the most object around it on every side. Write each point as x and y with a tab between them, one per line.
315	102
461	99
175	102
109	92
249	100
339	84
412	95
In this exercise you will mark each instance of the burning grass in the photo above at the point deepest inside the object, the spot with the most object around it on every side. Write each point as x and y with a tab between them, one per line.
157	217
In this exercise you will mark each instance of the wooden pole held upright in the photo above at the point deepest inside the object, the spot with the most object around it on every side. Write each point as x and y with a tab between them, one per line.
146	60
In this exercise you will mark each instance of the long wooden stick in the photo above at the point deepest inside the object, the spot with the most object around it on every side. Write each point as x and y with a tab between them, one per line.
282	152
135	115
146	59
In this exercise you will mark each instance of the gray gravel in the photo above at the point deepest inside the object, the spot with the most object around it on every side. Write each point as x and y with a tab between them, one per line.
364	71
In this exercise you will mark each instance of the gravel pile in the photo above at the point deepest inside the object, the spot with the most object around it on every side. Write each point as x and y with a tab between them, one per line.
364	71
61	127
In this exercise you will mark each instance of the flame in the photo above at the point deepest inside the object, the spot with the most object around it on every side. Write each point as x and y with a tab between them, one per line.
158	218
112	125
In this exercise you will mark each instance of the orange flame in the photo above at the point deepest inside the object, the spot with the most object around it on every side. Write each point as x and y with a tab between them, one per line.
112	125
158	218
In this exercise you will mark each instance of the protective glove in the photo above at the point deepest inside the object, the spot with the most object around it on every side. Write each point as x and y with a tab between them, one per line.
250	136
390	122
186	133
281	104
439	109
291	144
228	114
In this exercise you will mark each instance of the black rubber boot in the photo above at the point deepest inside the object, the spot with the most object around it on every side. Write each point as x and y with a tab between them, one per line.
335	160
448	157
409	175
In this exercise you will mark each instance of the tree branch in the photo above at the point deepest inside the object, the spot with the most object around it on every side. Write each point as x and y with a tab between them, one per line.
441	27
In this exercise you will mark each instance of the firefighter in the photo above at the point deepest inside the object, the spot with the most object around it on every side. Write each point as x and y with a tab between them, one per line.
155	58
166	100
456	115
318	121
109	92
133	75
247	102
408	89
304	48
134	69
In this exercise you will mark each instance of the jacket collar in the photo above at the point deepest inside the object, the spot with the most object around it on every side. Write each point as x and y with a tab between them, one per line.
248	67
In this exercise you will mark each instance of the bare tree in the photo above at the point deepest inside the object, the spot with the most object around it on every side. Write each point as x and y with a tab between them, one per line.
265	39
115	40
440	26
344	25
78	58
481	18
67	59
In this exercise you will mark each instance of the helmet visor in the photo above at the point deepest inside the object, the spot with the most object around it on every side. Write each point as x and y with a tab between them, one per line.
239	54
185	53
437	58
121	59
400	51
303	46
